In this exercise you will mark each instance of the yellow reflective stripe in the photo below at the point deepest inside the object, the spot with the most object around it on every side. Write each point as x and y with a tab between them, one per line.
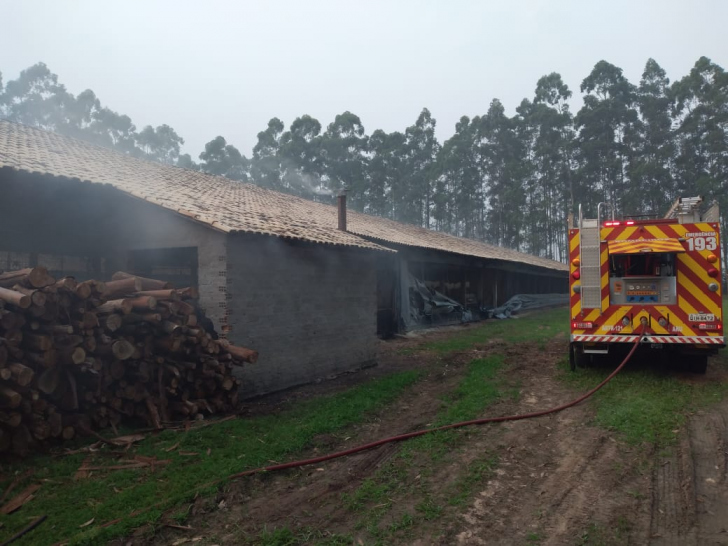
574	243
674	319
695	291
628	233
686	306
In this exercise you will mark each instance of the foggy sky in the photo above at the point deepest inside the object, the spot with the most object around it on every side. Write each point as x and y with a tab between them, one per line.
211	68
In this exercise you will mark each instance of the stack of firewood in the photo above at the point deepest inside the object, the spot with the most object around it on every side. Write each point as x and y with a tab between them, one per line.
80	356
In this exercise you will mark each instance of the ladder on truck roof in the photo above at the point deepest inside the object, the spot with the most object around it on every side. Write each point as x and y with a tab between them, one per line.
590	258
686	210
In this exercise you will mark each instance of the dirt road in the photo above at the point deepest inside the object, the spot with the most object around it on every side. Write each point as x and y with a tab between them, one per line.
558	480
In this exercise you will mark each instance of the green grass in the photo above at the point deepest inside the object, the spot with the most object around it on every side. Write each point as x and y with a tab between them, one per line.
234	446
645	405
538	326
283	536
477	472
480	387
598	534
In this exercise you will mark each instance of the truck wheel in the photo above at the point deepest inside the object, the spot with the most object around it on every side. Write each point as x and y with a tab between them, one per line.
582	359
699	364
572	357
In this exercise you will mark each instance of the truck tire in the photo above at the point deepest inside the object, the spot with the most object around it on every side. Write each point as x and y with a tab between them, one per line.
577	357
572	357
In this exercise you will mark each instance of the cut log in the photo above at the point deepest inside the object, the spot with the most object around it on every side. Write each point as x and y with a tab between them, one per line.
83	290
48	380
15	298
189	292
143	302
122	306
73	355
168	294
13	338
11	418
3	355
9	398
185	308
241	353
147	284
171	328
38	342
35	277
169	344
89	320
122	287
112	322
46	359
21	374
39	428
67	283
122	349
64	340
5	374
153	413
37	297
9	319
66	329
89	343
37	311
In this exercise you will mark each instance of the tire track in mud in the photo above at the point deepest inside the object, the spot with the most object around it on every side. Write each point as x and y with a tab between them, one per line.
690	489
556	474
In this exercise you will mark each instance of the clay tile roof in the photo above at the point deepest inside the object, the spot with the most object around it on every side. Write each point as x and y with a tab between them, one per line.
225	204
213	200
381	229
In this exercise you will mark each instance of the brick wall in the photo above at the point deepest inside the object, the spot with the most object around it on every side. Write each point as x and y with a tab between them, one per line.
310	310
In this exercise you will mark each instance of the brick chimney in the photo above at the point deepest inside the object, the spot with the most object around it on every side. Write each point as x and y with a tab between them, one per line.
341	201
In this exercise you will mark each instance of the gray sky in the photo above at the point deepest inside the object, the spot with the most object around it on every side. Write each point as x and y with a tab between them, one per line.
217	67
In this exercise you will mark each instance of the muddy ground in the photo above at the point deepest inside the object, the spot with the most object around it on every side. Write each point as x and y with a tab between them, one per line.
558	479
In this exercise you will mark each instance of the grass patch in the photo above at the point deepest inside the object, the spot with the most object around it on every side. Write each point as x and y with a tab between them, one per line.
234	446
477	473
538	326
645	405
283	536
480	388
598	534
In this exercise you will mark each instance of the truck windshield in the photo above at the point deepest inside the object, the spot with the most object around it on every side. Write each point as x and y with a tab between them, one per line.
642	265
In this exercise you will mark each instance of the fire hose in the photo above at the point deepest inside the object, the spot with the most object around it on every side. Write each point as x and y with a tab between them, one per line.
407	436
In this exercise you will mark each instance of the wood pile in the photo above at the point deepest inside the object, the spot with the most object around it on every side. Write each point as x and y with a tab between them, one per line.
80	356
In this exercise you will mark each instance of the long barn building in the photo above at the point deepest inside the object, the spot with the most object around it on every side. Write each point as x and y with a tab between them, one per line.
274	272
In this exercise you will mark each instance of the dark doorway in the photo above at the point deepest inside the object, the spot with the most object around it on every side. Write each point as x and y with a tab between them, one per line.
175	265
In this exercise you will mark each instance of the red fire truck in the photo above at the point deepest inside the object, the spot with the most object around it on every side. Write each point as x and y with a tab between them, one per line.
662	276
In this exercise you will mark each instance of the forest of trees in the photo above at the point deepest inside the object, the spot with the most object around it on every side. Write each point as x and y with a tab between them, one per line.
509	181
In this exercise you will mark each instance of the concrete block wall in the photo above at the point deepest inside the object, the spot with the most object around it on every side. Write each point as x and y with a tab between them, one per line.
310	310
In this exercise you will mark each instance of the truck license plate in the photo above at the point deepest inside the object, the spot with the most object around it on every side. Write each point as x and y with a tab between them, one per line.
701	318
657	345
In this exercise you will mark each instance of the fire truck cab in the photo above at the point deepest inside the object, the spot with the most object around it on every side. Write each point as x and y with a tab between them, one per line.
657	276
